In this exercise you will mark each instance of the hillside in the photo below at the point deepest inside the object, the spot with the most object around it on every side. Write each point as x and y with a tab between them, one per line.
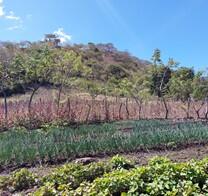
105	61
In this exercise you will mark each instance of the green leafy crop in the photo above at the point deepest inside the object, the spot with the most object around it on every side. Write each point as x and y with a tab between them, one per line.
159	177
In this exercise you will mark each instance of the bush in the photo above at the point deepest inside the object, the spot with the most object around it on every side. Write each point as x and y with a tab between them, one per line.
46	190
159	177
72	175
119	162
23	180
4	180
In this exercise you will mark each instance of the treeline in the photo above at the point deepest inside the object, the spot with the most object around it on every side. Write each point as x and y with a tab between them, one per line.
97	69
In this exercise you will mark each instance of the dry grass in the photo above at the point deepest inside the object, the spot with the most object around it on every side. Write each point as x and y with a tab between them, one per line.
76	107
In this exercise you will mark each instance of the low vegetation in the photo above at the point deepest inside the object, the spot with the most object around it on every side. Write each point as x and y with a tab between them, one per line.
54	144
118	176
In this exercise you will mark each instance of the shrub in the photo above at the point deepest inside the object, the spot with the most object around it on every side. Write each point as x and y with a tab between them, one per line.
119	162
72	175
159	177
46	190
4	181
23	180
158	161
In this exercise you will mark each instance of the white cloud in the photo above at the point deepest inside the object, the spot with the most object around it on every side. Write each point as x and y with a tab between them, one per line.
15	21
1	10
12	16
62	35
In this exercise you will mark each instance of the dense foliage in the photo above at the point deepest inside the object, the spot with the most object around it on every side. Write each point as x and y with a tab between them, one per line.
43	63
159	177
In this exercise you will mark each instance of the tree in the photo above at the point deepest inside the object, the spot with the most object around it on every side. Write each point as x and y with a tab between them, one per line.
181	87
139	90
93	89
156	57
5	84
113	89
199	93
39	65
117	71
120	88
159	77
10	73
68	65
70	71
125	87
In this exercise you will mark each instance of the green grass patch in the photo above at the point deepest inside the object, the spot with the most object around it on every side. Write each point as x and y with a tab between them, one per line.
61	143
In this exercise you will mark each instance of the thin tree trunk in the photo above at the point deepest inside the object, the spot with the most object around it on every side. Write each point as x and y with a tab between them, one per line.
106	109
161	94
69	107
88	113
139	103
166	107
93	107
197	113
113	108
197	110
127	107
188	109
31	98
120	117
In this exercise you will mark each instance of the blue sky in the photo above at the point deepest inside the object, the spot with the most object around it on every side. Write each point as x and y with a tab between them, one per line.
178	27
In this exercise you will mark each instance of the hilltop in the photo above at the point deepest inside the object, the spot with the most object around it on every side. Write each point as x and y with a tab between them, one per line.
106	61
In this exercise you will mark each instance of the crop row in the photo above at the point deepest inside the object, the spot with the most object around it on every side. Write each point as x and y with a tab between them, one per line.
118	176
52	144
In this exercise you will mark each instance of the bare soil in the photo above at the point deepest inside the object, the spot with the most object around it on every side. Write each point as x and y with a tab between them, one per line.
180	155
189	152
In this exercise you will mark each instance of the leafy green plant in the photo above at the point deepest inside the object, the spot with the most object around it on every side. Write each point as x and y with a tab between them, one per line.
22	180
46	190
158	161
4	181
159	177
119	162
73	175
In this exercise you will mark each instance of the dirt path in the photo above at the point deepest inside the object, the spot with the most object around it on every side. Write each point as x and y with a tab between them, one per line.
141	158
192	152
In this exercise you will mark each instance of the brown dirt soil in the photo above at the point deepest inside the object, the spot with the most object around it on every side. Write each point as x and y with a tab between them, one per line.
191	152
141	158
